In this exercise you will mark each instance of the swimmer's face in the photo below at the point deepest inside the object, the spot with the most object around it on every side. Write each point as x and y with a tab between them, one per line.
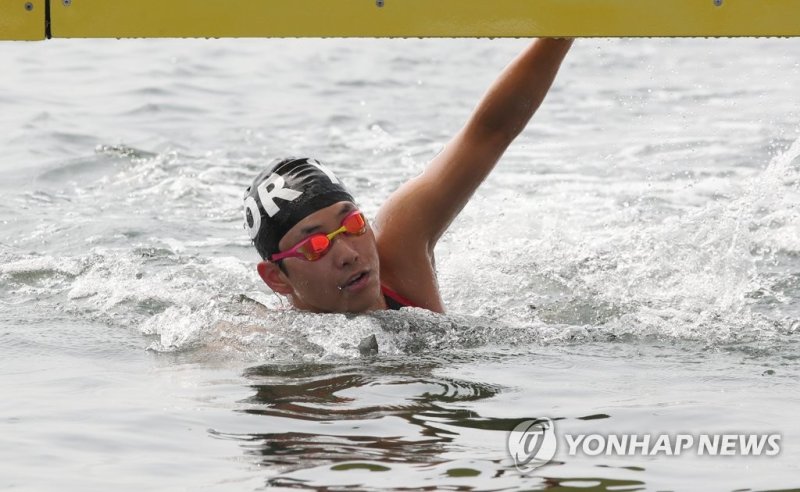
345	279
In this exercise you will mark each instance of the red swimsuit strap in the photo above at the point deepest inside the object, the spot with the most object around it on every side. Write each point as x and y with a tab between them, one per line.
397	297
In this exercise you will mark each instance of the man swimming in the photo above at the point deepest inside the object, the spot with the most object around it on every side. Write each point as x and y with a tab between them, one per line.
319	250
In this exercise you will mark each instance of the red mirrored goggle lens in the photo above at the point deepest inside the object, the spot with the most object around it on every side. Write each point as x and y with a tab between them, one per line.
315	247
355	223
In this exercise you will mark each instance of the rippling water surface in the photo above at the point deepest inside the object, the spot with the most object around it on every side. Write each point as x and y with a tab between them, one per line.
633	265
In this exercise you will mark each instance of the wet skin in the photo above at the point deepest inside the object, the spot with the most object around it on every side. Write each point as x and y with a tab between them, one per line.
345	279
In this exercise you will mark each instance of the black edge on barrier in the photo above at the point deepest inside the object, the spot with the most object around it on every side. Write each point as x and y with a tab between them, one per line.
47	32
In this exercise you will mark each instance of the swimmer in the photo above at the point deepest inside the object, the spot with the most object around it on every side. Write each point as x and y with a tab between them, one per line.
318	248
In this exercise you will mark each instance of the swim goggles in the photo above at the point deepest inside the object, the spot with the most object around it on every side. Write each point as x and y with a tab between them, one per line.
317	245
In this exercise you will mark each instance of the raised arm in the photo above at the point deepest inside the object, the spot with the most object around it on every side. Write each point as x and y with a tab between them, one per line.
417	214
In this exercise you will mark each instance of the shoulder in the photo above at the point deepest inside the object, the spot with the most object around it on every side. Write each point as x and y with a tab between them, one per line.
406	266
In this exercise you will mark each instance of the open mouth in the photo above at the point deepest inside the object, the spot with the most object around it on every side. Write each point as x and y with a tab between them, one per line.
356	281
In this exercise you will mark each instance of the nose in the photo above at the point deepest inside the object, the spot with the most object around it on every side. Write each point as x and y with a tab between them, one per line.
344	251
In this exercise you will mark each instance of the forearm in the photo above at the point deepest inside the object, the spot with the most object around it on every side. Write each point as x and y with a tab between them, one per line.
518	92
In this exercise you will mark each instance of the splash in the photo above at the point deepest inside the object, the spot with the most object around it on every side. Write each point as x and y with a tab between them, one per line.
721	273
691	276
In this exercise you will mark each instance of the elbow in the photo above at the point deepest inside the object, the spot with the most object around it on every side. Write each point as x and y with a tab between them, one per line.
501	135
504	126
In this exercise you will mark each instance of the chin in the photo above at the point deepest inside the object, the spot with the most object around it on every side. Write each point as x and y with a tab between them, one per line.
370	301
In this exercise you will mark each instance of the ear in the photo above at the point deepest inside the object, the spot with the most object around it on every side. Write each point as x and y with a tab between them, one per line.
274	278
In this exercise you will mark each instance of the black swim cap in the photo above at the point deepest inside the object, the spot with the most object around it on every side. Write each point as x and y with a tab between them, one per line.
285	193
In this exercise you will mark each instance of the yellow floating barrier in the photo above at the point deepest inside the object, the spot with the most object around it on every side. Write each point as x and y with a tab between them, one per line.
398	18
22	19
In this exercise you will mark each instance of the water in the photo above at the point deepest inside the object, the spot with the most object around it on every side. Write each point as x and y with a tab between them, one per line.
633	265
